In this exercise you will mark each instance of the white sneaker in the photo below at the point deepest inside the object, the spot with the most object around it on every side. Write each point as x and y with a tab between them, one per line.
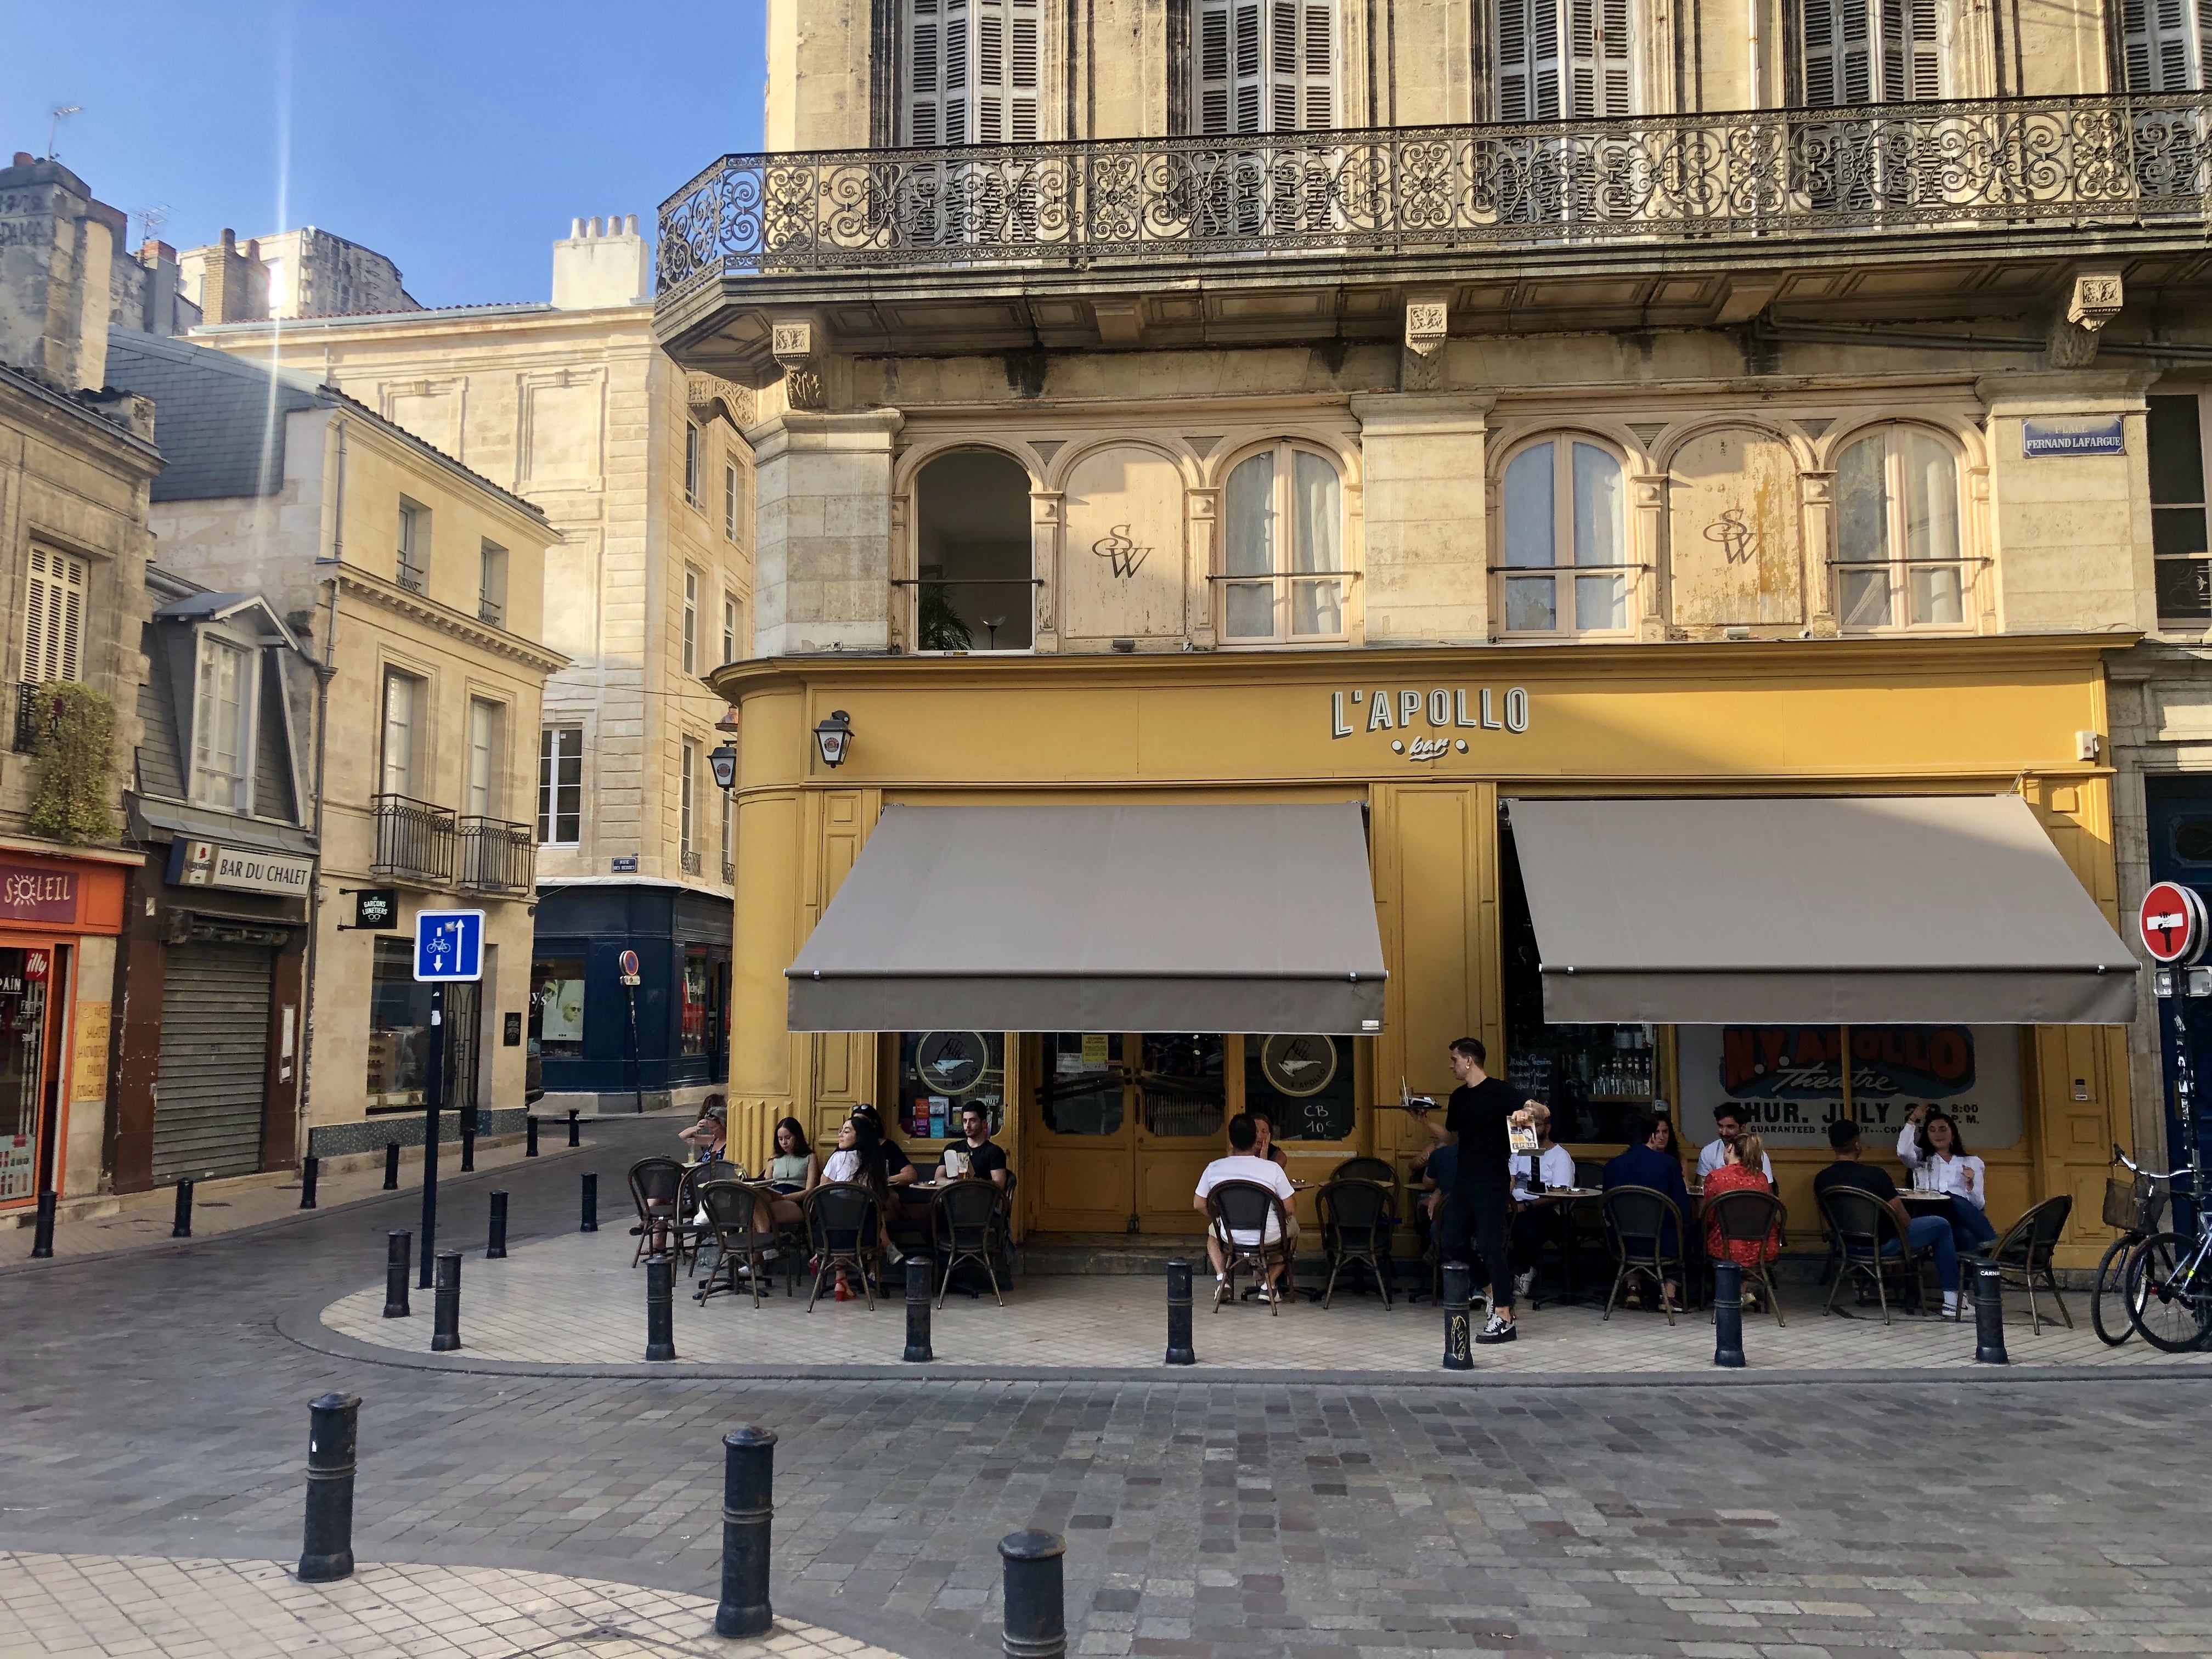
1950	1305
1522	1281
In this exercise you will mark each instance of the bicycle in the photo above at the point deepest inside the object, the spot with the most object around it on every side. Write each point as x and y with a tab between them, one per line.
2134	1206
2169	1290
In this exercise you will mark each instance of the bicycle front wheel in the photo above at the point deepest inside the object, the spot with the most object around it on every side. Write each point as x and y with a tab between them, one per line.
2169	1295
2108	1300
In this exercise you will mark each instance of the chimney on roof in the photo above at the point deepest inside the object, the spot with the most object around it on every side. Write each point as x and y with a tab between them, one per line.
234	283
604	263
57	252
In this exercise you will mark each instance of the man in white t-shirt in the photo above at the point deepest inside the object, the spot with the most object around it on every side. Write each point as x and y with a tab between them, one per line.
1730	1125
1242	1164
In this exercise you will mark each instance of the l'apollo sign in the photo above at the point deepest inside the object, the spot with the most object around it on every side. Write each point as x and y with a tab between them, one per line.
1442	709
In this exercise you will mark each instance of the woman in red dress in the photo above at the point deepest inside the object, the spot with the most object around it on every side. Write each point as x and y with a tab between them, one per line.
1744	1170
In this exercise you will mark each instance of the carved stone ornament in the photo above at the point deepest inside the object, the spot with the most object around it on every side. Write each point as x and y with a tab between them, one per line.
2097	299
792	346
709	396
1426	325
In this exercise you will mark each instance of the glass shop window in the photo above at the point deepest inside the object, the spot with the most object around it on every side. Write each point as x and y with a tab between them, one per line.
556	1007
698	999
1595	1078
2182	567
1303	1083
1182	1080
941	1072
1081	1093
398	1028
23	978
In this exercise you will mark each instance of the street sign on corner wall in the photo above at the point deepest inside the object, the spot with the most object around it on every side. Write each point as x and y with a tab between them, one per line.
2172	923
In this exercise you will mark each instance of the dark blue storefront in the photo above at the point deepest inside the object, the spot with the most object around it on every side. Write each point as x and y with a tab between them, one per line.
2180	823
584	1051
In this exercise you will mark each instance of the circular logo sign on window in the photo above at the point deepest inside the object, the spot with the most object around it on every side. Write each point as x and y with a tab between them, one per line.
1298	1065
952	1062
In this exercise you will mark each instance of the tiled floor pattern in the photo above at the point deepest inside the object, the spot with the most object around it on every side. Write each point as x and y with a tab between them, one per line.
106	1606
576	1299
146	1218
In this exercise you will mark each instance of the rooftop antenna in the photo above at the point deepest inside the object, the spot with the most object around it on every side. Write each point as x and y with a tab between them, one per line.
59	113
152	219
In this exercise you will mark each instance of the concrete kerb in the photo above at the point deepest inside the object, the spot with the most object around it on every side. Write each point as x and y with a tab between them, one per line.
300	1321
447	1180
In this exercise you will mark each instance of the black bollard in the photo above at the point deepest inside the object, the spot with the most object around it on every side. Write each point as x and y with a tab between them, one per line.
310	1169
468	1143
530	1135
748	1511
42	1240
1459	1287
496	1250
1034	1596
919	1290
333	1435
575	1129
390	1166
395	1248
1989	1315
445	1310
591	1220
659	1307
1180	1352
183	1227
1728	1315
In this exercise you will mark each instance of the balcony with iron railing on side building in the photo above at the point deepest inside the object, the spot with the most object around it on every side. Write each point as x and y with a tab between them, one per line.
28	718
1671	194
415	840
497	856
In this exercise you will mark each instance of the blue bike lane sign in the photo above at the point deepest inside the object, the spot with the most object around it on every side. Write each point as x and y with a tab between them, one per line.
449	944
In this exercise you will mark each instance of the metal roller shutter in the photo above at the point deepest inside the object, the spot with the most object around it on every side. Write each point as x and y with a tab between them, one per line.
214	1046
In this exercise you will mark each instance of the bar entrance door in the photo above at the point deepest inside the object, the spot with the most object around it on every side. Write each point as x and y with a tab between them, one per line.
1123	1122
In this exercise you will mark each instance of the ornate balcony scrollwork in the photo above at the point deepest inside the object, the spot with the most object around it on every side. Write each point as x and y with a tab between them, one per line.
1761	175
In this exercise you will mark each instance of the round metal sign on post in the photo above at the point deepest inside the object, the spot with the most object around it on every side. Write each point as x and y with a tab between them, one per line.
628	962
2174	924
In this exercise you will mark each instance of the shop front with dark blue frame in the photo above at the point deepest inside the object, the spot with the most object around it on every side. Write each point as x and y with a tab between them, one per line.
601	1045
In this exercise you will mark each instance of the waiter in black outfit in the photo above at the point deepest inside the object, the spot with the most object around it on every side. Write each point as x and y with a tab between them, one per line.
1476	1119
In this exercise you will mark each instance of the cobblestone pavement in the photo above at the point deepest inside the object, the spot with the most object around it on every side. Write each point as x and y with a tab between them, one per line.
153	1409
577	1299
103	1606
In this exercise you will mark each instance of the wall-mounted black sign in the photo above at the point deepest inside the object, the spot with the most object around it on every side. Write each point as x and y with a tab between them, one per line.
376	908
512	1036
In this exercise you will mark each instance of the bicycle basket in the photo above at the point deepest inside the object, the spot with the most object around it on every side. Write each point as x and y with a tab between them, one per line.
2134	1205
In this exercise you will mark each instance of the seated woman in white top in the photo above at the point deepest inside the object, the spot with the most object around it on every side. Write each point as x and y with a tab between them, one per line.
1936	1152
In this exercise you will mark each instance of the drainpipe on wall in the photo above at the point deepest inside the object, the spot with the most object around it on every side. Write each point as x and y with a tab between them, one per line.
325	671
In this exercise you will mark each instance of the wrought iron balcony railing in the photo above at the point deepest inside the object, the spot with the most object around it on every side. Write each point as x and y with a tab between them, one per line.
1797	174
30	717
497	856
414	839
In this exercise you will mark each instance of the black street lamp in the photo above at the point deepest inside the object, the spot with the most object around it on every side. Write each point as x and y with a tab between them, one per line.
724	760
834	737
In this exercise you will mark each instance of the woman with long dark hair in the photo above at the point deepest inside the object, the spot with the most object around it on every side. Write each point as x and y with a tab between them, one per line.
1936	1152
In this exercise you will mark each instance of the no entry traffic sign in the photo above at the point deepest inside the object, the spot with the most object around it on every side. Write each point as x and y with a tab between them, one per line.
2172	920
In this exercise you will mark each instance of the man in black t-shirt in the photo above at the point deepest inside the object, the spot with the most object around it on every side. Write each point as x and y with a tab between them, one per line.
1927	1232
1476	1119
987	1159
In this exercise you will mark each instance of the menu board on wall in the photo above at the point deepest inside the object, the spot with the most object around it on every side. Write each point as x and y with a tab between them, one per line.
1788	1080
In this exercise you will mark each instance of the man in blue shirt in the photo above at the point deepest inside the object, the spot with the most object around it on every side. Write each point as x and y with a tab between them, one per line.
1647	1163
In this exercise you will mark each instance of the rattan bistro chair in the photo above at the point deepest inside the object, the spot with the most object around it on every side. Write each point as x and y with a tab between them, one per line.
1246	1206
1355	1231
693	1234
966	1221
844	1228
742	1223
656	1184
1748	1216
1862	1232
2023	1255
1638	1221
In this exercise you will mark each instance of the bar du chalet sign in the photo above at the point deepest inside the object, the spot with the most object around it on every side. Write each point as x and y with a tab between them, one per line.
1425	723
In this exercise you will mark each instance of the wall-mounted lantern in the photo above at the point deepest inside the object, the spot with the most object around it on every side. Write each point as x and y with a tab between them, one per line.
834	737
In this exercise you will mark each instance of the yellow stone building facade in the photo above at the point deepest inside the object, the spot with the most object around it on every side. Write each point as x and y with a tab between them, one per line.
1771	398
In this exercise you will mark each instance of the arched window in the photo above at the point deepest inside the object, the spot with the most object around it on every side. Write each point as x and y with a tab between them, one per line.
1899	562
1282	548
1566	524
973	590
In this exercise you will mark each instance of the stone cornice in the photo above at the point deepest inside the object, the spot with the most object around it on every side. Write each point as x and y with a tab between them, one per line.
447	621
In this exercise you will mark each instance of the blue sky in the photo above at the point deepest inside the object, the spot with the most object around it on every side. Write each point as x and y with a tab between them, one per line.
459	139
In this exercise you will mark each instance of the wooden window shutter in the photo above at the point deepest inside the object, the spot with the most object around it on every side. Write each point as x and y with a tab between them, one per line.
1839	67
1614	64
1214	66
1532	84
1923	77
1514	68
1267	65
2163	44
53	628
1023	74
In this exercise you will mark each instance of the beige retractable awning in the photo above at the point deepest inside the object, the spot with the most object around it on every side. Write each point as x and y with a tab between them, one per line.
1893	910
1246	918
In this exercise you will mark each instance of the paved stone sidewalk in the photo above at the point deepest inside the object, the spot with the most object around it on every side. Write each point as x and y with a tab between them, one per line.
575	1298
105	1606
145	1221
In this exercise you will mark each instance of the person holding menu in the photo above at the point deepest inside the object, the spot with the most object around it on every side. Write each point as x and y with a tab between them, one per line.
1477	1120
